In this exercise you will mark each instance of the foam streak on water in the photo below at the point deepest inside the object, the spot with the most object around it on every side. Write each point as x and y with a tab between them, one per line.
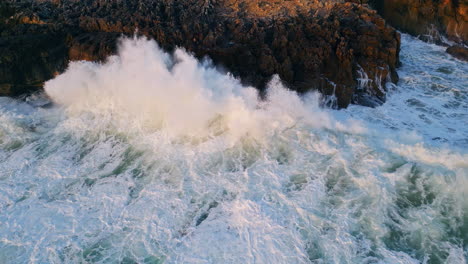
158	158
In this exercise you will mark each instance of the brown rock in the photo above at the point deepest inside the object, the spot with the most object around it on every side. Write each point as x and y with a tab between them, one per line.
311	44
431	19
458	51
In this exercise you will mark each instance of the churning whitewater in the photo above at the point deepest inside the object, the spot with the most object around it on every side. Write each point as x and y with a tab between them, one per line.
153	157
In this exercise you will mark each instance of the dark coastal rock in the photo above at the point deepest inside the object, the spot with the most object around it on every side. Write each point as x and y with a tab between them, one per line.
458	51
328	46
430	19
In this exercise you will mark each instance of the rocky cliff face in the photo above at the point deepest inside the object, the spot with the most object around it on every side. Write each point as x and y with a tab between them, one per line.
327	46
429	18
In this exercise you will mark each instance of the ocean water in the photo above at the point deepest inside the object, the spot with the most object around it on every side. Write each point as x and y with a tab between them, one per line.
159	158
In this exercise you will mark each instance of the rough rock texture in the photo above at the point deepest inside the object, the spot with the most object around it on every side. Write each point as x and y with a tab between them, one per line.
329	46
428	18
458	51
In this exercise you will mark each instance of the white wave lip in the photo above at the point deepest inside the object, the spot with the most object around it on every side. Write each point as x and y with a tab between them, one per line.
174	92
152	157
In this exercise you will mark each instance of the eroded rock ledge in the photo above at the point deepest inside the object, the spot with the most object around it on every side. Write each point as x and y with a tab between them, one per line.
328	46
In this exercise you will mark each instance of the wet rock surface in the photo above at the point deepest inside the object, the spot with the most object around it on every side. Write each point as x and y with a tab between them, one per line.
432	20
458	51
340	48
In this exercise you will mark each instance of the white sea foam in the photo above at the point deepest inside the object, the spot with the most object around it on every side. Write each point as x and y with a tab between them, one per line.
148	88
153	157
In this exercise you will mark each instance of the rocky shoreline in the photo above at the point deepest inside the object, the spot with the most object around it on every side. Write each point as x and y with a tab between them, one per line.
442	22
325	46
433	20
341	48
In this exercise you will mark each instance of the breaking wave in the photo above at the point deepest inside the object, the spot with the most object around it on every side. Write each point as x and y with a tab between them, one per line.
152	157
